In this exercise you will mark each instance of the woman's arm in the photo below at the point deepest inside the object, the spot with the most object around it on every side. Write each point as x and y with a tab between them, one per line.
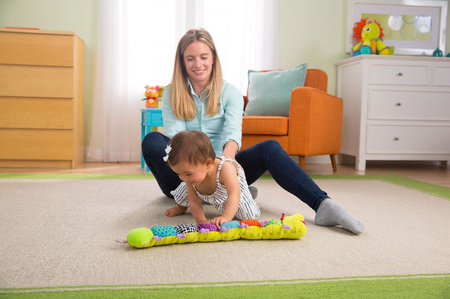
233	103
229	178
230	149
195	204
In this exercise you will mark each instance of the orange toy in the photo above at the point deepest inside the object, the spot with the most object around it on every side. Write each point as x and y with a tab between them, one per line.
152	95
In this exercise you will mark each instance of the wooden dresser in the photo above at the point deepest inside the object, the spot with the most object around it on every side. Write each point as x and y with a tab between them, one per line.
395	108
41	99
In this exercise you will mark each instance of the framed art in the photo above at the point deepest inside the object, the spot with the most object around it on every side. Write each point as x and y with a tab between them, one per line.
411	27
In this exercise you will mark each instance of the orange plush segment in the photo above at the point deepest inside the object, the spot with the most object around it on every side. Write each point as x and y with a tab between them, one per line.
251	222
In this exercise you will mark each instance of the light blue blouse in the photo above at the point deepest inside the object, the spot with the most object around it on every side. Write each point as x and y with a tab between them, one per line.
225	126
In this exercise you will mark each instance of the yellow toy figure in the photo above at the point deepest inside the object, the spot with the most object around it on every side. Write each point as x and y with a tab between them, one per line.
289	227
369	35
152	95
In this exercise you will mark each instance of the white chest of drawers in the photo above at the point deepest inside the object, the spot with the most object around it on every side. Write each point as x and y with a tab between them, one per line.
395	108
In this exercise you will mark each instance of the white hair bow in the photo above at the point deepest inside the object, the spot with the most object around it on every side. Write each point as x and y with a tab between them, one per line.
168	149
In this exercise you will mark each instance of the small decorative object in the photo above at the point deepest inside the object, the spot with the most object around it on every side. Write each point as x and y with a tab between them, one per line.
289	227
152	95
369	35
438	53
448	54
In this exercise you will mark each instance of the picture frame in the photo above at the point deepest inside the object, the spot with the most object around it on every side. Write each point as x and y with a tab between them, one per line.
412	27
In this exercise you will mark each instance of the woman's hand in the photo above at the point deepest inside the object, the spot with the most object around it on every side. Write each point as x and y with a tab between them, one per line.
230	150
218	221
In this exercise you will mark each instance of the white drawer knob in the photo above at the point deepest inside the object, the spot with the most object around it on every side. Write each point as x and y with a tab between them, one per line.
400	74
396	139
398	104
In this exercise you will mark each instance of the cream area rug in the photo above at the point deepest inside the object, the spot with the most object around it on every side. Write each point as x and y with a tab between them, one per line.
58	232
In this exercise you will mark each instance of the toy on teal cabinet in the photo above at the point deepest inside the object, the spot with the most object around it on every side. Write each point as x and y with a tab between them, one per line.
152	95
288	227
369	35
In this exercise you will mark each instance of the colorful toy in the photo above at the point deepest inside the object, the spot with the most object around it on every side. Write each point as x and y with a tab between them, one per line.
369	35
290	227
152	95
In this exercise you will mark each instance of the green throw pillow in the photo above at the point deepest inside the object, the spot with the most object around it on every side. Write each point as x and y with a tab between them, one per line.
269	93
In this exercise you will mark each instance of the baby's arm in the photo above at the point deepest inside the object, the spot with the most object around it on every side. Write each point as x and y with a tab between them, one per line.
195	204
229	178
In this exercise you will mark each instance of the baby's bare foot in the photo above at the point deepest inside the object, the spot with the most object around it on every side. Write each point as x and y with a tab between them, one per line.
175	211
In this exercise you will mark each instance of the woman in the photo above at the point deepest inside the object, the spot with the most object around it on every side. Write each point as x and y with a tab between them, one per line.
199	99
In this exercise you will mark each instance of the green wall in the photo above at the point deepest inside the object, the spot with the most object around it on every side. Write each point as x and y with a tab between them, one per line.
309	31
79	16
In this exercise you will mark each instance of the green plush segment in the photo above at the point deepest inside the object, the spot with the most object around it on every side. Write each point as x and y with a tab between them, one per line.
139	236
269	93
362	287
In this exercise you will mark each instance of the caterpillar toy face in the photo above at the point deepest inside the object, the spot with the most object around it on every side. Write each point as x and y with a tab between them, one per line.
290	227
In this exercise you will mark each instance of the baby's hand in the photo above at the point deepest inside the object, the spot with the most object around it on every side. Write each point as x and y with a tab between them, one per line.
218	221
175	211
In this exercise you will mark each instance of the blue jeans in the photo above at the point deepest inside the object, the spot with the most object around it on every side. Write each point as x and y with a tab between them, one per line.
256	160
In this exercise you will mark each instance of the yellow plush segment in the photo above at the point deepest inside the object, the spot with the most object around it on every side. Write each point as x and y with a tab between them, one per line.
167	241
297	227
232	234
252	233
210	237
273	232
190	238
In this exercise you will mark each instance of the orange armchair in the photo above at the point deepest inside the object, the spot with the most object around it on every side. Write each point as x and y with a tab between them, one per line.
314	125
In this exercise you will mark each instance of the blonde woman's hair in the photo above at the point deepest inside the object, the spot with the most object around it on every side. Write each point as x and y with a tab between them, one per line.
193	147
180	97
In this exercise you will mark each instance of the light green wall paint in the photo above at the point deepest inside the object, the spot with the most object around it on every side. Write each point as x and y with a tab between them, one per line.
79	16
309	31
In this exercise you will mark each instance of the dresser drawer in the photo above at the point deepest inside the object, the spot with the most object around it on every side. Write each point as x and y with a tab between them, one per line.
441	76
36	113
393	139
388	74
17	144
408	105
36	49
35	81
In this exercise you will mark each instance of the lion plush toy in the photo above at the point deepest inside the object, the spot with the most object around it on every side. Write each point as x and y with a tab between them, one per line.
369	35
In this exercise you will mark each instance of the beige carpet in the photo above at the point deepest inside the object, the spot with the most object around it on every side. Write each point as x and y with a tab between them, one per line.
61	233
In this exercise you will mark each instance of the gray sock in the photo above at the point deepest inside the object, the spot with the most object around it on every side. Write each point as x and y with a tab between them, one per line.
331	213
253	191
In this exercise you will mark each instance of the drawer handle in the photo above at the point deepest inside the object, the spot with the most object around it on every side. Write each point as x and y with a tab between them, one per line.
398	104
400	74
396	139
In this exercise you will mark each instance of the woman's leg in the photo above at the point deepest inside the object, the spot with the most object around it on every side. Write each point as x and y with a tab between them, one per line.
270	156
153	147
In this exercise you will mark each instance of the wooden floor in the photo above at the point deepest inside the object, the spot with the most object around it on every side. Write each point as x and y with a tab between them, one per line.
431	172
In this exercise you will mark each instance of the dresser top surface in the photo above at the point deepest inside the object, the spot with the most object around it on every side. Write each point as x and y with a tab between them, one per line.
35	31
393	58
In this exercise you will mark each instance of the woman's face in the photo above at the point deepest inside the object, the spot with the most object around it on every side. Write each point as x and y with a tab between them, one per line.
198	60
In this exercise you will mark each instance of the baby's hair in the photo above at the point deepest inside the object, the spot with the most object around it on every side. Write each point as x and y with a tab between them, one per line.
190	146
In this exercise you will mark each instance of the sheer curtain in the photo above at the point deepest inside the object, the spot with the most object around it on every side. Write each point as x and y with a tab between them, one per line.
136	46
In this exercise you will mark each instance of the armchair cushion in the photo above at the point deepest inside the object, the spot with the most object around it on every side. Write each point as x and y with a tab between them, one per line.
265	125
269	93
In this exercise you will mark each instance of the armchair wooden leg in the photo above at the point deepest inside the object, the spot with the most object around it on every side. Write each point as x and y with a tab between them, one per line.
301	162
333	162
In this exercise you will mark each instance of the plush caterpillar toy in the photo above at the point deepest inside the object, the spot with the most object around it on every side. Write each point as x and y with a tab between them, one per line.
290	227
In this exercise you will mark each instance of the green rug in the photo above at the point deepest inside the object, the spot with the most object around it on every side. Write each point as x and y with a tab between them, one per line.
424	286
428	188
407	286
